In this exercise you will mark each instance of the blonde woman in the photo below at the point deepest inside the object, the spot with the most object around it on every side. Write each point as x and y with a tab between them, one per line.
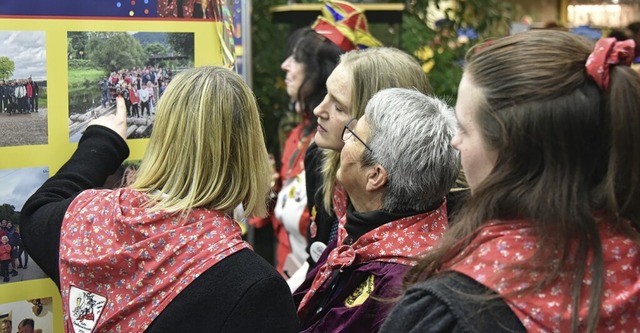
164	250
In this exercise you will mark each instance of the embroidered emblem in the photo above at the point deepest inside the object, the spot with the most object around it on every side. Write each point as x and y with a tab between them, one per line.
361	293
85	309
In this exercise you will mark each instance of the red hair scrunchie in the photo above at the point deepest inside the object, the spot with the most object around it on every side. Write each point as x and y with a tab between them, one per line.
608	52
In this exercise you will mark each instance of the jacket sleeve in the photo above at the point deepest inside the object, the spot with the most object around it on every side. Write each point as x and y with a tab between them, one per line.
99	154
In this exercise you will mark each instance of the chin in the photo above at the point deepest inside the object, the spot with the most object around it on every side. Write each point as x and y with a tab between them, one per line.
324	145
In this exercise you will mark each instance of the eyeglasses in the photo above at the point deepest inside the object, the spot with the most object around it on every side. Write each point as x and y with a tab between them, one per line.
348	132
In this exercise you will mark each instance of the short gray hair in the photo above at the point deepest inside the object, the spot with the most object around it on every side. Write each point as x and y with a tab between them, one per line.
410	137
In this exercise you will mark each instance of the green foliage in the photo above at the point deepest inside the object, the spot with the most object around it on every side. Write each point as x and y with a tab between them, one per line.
114	50
155	49
444	56
8	212
269	50
76	42
79	78
75	64
182	43
7	66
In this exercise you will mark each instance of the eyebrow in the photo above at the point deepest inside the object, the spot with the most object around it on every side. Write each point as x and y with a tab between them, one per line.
333	98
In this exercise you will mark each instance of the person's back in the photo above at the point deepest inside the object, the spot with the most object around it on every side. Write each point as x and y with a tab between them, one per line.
164	250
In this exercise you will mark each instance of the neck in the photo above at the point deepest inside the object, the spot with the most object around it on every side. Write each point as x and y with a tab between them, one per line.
366	202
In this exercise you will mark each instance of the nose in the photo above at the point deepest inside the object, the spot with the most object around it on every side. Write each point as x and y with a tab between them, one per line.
320	110
286	64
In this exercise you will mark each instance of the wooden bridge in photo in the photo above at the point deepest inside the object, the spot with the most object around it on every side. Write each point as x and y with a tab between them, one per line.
79	122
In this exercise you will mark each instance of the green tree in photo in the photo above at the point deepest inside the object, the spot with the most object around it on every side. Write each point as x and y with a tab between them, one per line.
8	212
7	66
155	49
77	42
182	43
115	50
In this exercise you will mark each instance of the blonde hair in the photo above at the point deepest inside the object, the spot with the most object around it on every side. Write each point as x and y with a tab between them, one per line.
207	148
372	70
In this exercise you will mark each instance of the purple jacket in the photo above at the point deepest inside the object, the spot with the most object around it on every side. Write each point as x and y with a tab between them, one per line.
350	301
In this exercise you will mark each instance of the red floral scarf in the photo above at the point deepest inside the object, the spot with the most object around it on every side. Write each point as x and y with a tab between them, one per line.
121	265
402	241
499	245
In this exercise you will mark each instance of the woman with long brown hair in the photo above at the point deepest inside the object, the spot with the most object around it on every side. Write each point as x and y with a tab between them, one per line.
549	137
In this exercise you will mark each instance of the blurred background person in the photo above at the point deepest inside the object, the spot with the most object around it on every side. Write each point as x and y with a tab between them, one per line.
314	53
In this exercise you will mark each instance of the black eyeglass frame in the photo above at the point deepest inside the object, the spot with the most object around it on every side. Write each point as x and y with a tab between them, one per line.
347	135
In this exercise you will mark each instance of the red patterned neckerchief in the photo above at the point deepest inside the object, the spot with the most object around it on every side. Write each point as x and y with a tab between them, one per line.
402	241
121	265
294	152
608	52
500	244
340	200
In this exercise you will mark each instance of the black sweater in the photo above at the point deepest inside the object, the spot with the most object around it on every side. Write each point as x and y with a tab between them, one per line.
241	293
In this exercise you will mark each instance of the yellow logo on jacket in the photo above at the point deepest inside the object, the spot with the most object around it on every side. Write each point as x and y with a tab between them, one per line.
361	293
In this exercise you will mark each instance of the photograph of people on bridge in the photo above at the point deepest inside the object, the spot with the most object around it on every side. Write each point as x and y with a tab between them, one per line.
136	65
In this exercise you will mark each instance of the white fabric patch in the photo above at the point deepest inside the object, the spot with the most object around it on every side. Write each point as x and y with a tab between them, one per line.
85	309
316	250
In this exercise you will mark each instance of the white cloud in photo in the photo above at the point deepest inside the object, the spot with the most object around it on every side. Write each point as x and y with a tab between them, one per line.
27	49
19	184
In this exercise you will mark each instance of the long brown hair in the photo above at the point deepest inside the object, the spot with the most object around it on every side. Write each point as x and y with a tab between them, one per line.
565	150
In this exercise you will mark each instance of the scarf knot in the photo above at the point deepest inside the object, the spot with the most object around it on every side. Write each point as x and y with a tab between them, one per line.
341	257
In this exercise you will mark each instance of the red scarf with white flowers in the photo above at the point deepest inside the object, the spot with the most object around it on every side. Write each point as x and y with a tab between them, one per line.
499	245
121	265
402	241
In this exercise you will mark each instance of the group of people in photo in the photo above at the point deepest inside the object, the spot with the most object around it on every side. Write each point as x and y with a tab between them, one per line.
516	210
11	251
19	96
140	88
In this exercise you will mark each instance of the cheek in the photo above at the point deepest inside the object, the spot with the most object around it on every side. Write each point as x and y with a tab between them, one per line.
338	120
348	156
346	163
298	72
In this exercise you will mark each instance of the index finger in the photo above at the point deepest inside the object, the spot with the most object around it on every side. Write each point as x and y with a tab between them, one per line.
121	109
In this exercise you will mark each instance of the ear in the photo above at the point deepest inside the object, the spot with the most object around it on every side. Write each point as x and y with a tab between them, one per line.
377	178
